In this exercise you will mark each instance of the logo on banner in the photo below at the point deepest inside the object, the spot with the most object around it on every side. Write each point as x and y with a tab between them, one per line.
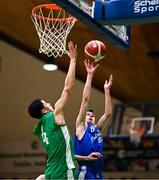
145	6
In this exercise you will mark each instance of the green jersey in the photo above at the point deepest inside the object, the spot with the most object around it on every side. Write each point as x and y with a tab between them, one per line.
58	144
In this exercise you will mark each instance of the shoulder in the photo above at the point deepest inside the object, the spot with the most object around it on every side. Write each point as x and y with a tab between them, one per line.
47	115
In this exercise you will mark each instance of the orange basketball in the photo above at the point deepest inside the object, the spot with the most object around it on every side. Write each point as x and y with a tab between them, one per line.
95	50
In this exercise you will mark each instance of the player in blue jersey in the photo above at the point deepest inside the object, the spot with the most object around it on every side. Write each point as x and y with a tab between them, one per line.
88	141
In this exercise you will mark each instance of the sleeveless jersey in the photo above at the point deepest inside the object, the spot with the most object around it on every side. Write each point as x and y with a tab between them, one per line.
92	141
58	144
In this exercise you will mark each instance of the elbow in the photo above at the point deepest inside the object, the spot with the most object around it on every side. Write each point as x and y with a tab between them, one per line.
69	87
85	99
67	90
108	114
108	111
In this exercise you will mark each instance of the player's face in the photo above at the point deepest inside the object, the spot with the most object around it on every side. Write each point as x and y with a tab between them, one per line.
90	117
47	106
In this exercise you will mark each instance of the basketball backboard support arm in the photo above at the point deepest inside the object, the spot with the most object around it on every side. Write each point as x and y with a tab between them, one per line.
104	31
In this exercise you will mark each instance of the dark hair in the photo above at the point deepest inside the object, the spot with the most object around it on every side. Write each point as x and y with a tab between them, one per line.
34	109
90	110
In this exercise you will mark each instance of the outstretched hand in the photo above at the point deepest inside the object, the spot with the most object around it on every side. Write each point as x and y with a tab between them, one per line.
108	84
72	50
89	65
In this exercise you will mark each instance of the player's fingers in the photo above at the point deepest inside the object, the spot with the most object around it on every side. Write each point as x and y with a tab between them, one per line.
111	77
88	61
96	154
99	154
85	62
75	47
69	44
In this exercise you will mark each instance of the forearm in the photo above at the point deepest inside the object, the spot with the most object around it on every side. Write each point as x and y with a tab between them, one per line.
85	100
69	81
70	77
91	157
81	158
108	103
87	87
104	121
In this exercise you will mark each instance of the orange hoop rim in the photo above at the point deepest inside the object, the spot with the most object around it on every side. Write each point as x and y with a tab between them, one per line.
51	7
139	131
46	6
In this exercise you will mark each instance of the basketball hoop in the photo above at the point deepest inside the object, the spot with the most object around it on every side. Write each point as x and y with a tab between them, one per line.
139	127
53	25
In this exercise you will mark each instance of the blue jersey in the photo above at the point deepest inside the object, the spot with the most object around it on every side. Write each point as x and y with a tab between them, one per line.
92	141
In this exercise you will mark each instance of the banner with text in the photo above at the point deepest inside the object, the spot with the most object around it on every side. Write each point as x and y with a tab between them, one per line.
127	11
21	157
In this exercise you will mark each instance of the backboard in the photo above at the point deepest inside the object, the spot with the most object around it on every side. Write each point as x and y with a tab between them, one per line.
143	122
139	127
83	10
133	115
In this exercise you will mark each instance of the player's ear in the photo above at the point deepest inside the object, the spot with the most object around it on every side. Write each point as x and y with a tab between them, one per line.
43	111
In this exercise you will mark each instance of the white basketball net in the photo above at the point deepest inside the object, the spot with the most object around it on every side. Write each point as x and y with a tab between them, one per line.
135	137
52	28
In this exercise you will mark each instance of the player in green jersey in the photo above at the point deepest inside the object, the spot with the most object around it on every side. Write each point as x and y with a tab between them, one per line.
52	130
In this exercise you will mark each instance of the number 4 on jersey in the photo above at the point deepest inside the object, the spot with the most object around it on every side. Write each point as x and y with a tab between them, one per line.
44	136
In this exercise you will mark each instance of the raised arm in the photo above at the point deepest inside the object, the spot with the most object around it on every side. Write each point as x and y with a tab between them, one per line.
105	119
86	96
69	82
